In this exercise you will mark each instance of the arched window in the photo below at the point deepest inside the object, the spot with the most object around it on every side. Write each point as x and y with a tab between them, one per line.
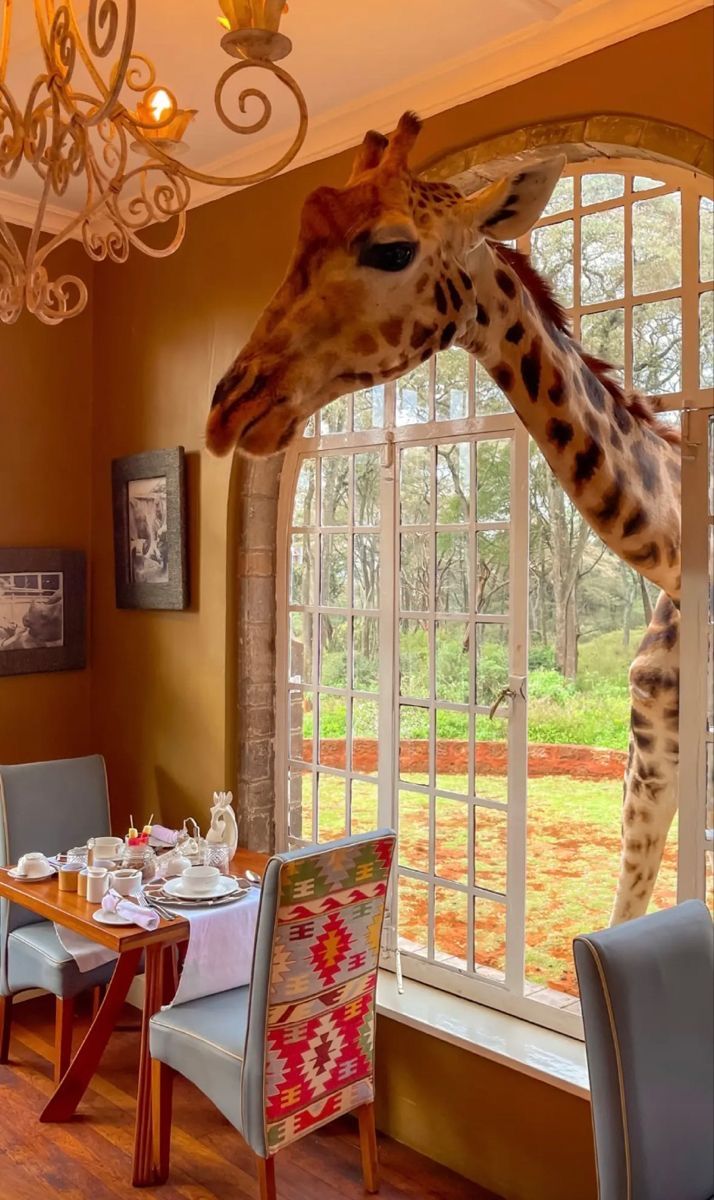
408	600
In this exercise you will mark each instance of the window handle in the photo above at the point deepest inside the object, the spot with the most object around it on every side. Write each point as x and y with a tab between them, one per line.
505	691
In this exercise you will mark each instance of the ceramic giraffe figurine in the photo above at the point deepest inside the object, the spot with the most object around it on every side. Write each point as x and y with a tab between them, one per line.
389	270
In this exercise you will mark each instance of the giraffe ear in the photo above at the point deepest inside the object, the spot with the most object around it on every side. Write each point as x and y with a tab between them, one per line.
369	154
511	206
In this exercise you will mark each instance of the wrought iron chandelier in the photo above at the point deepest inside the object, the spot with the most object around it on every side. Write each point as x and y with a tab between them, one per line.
80	122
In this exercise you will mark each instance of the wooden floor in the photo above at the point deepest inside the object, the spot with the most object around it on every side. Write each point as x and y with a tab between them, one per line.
90	1157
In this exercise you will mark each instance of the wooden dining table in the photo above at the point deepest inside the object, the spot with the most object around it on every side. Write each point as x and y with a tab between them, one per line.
71	911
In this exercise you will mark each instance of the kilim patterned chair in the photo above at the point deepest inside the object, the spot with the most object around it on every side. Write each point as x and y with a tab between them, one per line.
295	1049
47	806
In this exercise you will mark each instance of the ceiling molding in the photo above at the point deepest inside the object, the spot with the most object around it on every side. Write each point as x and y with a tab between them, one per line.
555	38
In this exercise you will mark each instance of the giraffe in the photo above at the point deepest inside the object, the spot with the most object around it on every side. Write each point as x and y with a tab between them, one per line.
390	269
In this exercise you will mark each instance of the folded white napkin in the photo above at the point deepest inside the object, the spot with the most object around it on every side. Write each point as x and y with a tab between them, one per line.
138	914
161	837
220	948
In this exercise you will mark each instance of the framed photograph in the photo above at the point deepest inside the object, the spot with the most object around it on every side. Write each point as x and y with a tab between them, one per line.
42	610
149	499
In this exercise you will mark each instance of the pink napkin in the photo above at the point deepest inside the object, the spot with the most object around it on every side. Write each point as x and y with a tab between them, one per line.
147	918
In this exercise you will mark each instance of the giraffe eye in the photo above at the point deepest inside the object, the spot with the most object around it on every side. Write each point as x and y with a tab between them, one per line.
388	256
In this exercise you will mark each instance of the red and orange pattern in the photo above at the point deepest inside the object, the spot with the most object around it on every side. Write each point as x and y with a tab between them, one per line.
320	1032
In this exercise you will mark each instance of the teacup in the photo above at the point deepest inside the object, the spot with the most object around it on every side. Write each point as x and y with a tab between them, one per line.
125	881
200	880
33	864
106	847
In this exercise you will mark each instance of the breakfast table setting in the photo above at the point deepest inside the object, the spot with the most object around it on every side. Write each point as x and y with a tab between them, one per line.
185	904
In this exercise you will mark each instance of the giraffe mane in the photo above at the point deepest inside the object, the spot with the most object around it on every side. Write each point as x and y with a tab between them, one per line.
541	292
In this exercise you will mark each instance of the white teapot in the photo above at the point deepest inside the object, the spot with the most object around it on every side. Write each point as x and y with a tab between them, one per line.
224	827
174	863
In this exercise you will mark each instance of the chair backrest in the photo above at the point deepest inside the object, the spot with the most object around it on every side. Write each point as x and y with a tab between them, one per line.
647	995
48	806
309	1052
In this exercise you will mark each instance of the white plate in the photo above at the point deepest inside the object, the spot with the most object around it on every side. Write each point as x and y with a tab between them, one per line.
225	886
31	878
176	902
104	917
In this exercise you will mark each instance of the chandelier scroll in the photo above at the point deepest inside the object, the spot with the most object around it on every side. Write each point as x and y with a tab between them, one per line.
96	119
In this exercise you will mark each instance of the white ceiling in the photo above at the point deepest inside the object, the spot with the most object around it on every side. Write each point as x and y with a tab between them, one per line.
359	63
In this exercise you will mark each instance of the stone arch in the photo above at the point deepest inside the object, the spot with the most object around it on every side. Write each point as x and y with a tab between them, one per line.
255	484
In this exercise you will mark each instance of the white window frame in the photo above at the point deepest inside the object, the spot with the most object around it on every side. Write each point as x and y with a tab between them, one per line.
512	996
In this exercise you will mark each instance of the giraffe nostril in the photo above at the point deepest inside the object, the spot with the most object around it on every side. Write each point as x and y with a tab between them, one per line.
219	395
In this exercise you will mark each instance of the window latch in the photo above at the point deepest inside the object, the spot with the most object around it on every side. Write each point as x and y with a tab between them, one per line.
506	691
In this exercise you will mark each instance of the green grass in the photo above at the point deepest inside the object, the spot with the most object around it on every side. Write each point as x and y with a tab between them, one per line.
573	858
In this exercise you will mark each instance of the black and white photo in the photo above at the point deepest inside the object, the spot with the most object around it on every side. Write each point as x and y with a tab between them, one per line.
42	604
149	504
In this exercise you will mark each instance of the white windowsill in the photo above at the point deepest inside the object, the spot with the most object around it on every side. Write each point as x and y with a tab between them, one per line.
541	1053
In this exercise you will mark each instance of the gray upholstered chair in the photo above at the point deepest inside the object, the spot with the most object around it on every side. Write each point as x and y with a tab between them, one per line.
647	995
295	1049
46	806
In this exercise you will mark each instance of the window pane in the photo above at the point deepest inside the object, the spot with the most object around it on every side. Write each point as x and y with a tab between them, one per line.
552	252
365	654
367	480
452	483
492	572
603	256
300	709
657	243
706	239
365	737
414	831
304	503
301	646
415	572
365	570
490	936
333	651
491	760
335	416
490	849
451	647
493	479
413	396
452	751
643	183
451	840
657	346
415	485
603	334
706	340
300	804
414	749
452	572
414	659
335	489
451	935
596	188
331	808
364	811
302	569
333	575
489	397
332	732
562	197
452	385
413	915
492	667
368	408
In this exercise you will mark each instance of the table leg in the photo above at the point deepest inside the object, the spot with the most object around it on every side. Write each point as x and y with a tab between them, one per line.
64	1100
158	981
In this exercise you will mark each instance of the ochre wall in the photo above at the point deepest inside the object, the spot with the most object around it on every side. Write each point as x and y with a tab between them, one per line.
512	1134
165	332
45	500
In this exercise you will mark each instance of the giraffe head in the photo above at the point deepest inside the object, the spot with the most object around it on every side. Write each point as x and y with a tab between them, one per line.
378	283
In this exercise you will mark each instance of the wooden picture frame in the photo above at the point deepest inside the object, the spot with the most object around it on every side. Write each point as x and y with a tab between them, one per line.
149	504
43	602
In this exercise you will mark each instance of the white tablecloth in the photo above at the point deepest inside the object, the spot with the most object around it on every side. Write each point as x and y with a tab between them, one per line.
220	948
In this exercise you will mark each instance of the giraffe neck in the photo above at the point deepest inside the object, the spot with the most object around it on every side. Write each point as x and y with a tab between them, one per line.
619	472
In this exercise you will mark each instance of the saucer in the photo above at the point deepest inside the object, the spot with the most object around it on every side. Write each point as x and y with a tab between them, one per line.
105	917
13	871
225	885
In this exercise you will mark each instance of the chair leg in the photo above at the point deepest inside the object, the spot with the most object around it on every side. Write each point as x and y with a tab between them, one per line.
162	1082
97	994
368	1147
64	1020
266	1178
5	1023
